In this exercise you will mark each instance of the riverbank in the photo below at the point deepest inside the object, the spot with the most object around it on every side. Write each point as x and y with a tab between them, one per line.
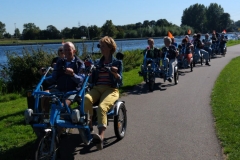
14	42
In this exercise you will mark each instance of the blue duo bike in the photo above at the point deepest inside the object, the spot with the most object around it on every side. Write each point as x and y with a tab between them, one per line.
61	116
151	69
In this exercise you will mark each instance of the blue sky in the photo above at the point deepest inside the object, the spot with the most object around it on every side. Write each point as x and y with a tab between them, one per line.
63	13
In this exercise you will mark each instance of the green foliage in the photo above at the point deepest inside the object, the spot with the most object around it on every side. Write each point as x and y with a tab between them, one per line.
2	29
132	59
23	70
194	16
108	29
206	19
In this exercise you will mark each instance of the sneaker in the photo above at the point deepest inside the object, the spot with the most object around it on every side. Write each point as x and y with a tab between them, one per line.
207	64
98	140
169	79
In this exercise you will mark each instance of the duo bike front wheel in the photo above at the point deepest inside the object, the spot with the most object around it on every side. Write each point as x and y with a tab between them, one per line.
43	147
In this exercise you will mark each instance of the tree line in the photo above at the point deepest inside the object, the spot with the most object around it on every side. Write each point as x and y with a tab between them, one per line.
197	18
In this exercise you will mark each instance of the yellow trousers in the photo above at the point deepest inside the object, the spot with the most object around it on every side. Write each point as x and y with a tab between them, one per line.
106	96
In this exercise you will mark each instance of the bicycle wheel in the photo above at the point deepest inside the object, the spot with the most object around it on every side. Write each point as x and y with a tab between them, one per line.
43	151
151	82
120	122
176	76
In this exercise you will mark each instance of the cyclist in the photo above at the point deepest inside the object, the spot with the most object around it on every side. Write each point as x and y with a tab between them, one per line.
198	45
171	52
151	51
187	49
106	82
207	44
222	42
68	74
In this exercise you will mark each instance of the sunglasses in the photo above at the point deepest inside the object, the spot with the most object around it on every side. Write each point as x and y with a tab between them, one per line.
60	50
103	46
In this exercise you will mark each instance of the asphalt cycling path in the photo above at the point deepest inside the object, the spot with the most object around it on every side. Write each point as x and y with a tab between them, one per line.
175	123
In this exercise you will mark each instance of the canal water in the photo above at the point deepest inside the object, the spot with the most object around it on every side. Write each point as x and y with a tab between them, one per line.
122	45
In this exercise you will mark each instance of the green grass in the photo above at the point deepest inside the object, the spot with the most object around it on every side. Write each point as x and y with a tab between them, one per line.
16	137
9	97
226	108
233	42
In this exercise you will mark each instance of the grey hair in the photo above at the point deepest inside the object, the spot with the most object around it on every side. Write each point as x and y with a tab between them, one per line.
168	39
70	44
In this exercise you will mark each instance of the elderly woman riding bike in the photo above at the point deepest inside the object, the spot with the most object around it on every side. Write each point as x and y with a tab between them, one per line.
106	79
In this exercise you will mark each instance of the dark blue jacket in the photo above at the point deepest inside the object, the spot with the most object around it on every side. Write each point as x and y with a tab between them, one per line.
67	82
171	52
116	83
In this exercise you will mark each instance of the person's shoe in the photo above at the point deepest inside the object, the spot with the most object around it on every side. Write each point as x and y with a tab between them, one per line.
207	64
98	140
169	79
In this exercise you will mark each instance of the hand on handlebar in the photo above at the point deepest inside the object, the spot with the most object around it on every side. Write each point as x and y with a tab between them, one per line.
69	71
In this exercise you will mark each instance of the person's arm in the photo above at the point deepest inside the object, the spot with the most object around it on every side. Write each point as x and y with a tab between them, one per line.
79	77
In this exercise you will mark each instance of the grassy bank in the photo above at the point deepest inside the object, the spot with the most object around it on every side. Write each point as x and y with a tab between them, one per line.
226	109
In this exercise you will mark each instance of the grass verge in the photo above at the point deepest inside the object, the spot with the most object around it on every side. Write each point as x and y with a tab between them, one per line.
226	109
16	137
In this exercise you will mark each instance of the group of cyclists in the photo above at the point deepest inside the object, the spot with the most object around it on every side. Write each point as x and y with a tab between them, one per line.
188	49
68	71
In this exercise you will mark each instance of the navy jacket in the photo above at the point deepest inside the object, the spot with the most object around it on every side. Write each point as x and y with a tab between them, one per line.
171	52
65	82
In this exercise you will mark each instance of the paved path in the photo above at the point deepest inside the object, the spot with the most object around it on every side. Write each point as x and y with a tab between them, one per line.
171	124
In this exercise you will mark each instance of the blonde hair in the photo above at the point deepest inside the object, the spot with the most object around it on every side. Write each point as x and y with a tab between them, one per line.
167	39
70	44
110	43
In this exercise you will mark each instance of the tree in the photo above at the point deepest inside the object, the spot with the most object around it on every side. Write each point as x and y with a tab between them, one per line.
213	15
146	23
225	21
237	23
94	31
2	29
138	25
30	31
52	32
17	33
66	33
108	29
195	17
162	23
7	35
152	23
